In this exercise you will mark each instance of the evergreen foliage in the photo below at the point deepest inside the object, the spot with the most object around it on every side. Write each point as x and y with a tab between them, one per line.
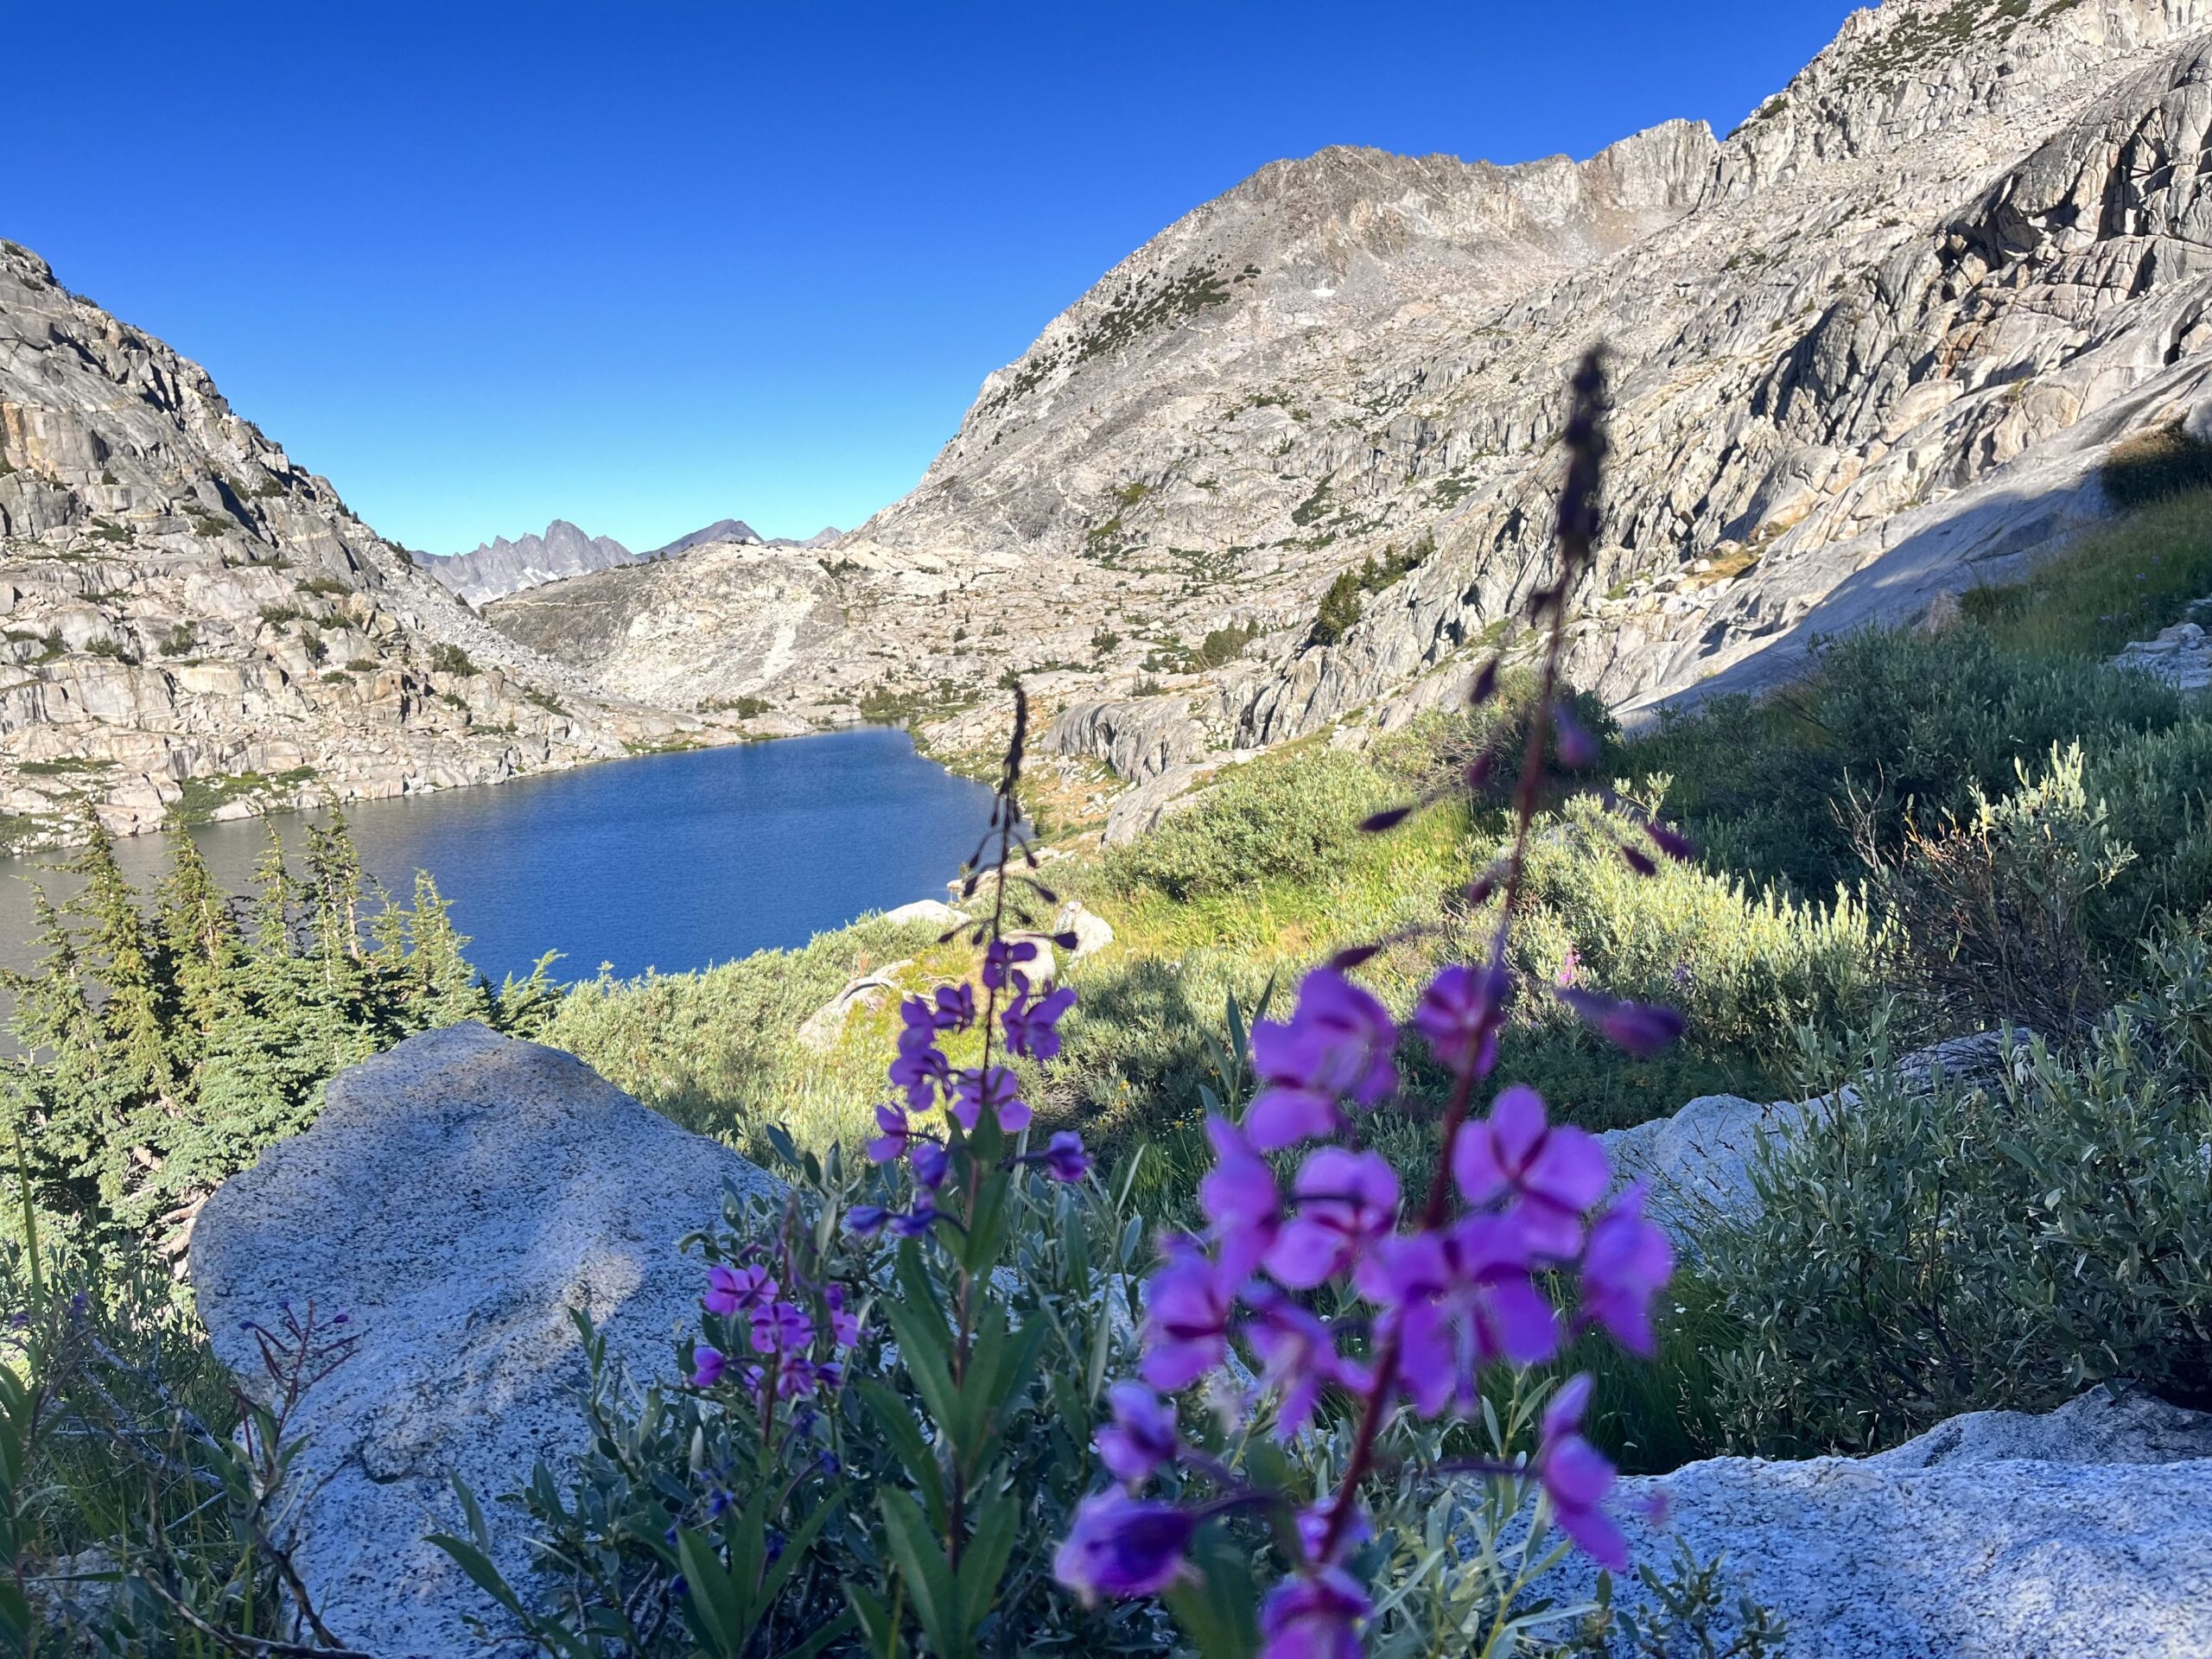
166	1039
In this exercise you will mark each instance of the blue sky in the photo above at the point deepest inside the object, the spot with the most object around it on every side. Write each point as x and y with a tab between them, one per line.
642	265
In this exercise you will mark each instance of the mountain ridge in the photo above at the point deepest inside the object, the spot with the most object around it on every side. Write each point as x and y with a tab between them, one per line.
1868	347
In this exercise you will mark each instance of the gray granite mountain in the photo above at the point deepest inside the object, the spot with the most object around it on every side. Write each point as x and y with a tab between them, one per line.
188	618
1867	348
500	567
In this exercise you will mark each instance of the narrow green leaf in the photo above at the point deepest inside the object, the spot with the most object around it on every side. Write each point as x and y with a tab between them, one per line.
983	1564
923	1568
906	1439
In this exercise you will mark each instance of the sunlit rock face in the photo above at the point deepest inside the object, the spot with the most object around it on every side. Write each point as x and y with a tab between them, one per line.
189	617
1865	349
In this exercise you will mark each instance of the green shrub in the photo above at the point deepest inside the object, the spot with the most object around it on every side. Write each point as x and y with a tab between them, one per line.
1884	718
2154	465
1274	818
446	658
1918	1251
1992	910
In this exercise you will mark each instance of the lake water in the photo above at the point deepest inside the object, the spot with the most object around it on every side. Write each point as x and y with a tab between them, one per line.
670	861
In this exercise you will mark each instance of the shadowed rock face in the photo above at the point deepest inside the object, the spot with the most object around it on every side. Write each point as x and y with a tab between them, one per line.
460	1194
1865	349
181	602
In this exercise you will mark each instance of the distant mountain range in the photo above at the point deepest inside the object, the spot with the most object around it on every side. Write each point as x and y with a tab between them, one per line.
500	567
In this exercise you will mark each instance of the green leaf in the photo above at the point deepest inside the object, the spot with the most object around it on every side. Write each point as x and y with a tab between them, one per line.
1216	1604
982	1564
923	1568
924	1349
712	1604
904	1434
875	1620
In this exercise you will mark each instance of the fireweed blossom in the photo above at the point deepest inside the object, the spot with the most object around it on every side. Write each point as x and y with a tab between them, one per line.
1510	1253
1336	1046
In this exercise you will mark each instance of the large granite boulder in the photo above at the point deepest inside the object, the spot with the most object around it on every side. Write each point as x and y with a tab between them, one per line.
2083	1533
458	1196
1696	1164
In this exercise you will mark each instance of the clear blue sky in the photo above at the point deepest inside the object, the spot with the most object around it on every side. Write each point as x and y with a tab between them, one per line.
641	265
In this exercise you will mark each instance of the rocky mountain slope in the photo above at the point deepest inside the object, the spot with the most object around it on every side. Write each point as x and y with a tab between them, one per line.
1868	347
188	618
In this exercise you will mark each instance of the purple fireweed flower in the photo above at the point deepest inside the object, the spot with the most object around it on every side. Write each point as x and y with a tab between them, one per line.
955	1006
918	1220
1121	1546
1570	968
844	1325
1638	1029
1187	1317
1576	1477
1315	1616
1627	1262
1141	1440
928	1160
866	1219
1001	958
1298	1356
999	1089
1314	1530
891	1145
707	1366
1577	749
921	1070
1239	1197
1065	1160
1460	1299
1336	1046
1550	1173
731	1290
1459	1014
780	1326
1029	1024
1345	1201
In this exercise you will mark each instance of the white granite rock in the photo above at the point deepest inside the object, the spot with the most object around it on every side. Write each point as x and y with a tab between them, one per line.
458	1196
2083	1534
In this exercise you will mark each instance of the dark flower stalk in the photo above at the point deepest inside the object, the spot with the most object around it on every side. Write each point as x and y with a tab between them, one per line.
1577	530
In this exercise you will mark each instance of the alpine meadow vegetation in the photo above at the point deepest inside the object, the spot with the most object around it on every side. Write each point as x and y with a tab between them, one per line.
1257	1284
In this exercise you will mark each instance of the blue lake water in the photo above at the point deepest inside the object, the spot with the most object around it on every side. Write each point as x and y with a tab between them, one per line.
671	861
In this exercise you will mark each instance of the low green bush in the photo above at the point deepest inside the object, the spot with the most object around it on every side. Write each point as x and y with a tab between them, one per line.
1283	817
1885	720
2152	465
1920	1251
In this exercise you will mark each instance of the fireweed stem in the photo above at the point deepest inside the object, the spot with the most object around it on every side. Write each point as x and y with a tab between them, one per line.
1578	514
1005	817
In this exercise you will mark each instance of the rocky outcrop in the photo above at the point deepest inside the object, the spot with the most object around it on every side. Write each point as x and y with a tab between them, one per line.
2083	1534
1696	1164
188	619
2181	655
458	1197
709	627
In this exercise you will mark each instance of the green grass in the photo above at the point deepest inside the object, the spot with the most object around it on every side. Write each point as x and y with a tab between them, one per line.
2120	582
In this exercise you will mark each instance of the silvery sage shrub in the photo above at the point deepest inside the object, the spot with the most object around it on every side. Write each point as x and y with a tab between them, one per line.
1373	1320
1924	1249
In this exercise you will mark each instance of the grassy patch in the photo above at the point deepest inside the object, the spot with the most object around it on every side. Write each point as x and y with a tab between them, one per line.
203	797
2119	582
